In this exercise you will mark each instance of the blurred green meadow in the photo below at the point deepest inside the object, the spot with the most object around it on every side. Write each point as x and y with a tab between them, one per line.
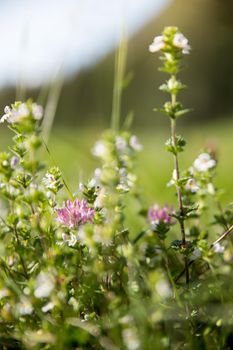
71	150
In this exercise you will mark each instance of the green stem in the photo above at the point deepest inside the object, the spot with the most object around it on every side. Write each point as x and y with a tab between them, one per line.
178	189
20	256
120	62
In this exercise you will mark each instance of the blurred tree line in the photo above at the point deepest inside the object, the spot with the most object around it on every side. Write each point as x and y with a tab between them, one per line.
86	99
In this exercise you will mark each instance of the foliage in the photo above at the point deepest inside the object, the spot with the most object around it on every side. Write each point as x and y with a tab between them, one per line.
73	276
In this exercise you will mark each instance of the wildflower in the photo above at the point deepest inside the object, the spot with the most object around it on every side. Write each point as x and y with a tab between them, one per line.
48	307
49	181
24	307
173	179
95	181
99	201
76	213
157	44
181	42
134	143
14	162
20	111
192	186
157	215
7	114
130	338
4	292
99	149
44	285
15	114
218	248
37	111
204	162
121	143
163	288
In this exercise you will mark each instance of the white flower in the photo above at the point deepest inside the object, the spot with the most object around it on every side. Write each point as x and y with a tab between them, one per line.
24	307
157	44
218	248
181	42
4	293
99	201
162	287
130	338
173	179
7	111
37	111
95	181
48	307
44	285
14	162
192	186
99	149
135	144
204	162
121	144
49	181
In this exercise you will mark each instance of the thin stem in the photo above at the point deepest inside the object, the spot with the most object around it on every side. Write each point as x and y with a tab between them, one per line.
120	63
225	234
20	256
178	189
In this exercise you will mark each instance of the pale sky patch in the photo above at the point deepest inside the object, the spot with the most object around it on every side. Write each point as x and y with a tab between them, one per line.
38	37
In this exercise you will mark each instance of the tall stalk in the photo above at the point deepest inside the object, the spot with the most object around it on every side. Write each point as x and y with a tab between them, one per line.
173	45
120	63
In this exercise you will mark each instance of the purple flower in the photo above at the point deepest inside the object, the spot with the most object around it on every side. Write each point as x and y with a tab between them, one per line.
157	215
76	213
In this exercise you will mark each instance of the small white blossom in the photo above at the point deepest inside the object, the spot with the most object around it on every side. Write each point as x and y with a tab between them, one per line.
163	288
24	307
121	143
15	115
99	149
99	201
44	285
14	162
48	307
192	186
204	162
37	111
4	292
135	144
130	338
49	181
181	42
218	248
157	44
173	179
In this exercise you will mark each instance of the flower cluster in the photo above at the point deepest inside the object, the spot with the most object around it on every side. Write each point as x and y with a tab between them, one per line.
76	213
158	215
164	42
19	111
204	162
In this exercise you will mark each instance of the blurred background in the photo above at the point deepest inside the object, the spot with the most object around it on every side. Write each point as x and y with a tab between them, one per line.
62	52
